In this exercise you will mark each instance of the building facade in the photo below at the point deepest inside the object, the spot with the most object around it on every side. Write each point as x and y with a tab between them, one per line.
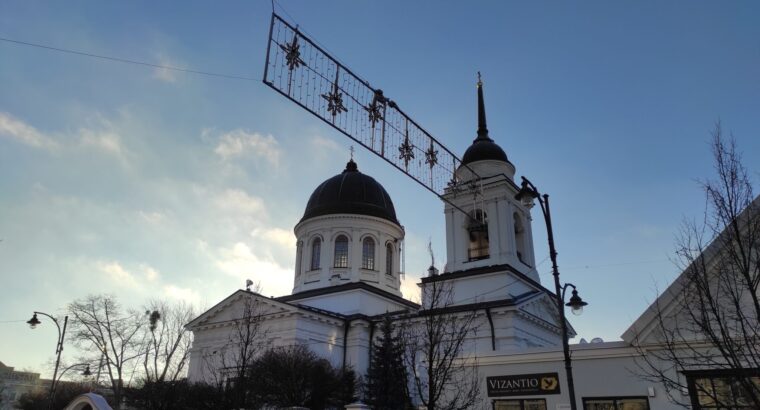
15	383
347	278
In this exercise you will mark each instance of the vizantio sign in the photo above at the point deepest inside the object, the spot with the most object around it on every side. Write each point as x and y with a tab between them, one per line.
523	385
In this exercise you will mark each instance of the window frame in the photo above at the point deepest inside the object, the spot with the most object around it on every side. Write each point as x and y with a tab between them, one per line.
615	399
369	258
389	259
481	228
343	257
693	375
521	401
520	235
316	256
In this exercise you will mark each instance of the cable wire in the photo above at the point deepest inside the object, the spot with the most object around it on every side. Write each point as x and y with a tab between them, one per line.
127	61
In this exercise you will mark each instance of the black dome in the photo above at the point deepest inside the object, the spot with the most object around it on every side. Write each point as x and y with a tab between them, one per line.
483	149
350	192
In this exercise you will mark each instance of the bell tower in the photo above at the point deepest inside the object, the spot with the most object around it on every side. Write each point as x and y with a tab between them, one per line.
495	228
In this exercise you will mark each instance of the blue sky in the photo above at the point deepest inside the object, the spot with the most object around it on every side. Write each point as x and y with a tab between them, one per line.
157	184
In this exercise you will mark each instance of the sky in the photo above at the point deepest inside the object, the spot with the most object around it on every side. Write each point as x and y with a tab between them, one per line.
151	183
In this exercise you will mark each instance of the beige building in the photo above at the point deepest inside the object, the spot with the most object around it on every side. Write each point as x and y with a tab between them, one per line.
14	383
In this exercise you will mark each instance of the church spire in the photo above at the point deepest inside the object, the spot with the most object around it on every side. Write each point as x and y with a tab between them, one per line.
482	128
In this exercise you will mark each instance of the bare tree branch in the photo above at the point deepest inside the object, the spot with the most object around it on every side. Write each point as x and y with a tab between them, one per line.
712	323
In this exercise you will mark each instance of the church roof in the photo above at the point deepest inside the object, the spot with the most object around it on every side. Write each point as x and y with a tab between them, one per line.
283	307
483	147
351	192
343	288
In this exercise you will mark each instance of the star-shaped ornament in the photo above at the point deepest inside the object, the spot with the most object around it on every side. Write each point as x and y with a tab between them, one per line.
292	53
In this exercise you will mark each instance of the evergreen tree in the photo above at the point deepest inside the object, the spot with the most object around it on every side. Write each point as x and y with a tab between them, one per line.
386	387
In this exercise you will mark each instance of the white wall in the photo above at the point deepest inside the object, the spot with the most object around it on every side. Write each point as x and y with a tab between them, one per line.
599	370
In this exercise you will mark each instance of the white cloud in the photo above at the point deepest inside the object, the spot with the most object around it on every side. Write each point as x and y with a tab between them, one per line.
102	138
153	218
118	274
144	280
240	142
326	144
150	274
184	294
26	134
107	141
239	202
277	236
239	261
165	74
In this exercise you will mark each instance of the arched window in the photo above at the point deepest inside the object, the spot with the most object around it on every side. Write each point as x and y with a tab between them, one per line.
368	253
316	249
477	227
520	238
341	252
389	259
299	257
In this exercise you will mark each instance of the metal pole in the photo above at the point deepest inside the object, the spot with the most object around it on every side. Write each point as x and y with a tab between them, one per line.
58	350
560	301
100	366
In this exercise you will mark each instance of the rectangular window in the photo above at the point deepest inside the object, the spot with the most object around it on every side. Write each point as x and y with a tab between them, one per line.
341	252
723	389
316	249
368	254
616	403
520	404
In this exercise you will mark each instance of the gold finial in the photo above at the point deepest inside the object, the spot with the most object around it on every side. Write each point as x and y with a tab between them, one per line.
480	82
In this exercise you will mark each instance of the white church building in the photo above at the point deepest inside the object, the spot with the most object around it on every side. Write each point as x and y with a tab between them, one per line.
347	277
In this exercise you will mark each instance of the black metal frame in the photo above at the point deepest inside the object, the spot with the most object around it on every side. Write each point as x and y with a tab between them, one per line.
330	91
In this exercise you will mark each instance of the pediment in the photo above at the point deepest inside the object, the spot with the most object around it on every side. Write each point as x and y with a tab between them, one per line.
234	306
542	308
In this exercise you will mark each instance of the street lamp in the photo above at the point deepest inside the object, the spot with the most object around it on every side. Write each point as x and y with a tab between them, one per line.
526	195
86	372
576	304
33	322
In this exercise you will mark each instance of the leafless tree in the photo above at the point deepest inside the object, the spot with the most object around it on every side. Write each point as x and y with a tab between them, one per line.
228	367
102	327
167	342
712	322
443	378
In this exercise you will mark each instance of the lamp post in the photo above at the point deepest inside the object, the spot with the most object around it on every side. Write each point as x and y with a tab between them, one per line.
33	322
85	372
526	195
